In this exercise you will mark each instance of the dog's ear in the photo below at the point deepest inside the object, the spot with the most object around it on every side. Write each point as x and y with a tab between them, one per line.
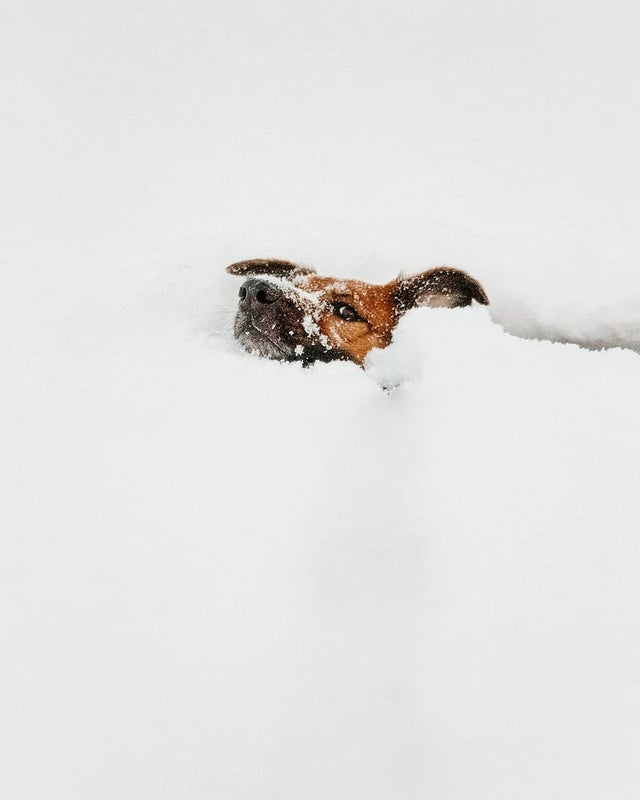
268	266
443	287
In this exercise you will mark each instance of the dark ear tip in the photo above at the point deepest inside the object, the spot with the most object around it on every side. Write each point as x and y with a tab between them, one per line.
267	266
474	287
480	295
242	267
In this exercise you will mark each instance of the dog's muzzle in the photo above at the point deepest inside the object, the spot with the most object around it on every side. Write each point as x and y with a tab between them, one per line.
277	321
268	322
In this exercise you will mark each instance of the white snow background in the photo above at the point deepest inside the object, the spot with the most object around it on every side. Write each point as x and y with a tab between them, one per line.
222	577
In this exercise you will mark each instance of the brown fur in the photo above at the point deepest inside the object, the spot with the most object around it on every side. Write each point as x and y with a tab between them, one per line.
288	312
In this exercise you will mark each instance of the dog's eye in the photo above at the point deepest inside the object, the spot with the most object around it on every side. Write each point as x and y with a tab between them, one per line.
347	313
242	293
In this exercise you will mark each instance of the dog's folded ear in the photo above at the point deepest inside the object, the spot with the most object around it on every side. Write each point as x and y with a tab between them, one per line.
268	266
443	287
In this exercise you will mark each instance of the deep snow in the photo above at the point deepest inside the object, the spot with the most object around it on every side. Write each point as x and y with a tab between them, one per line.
224	577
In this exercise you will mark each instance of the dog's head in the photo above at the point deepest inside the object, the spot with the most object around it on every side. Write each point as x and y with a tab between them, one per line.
290	313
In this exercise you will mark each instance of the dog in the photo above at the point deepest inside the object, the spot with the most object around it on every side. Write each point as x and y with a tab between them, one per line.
290	313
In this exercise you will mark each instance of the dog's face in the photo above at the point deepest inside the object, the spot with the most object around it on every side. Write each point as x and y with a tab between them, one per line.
290	313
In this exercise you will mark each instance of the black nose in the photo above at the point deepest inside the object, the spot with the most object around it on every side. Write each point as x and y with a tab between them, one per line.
257	291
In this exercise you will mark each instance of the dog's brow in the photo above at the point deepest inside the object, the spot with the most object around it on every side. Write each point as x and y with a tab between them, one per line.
342	296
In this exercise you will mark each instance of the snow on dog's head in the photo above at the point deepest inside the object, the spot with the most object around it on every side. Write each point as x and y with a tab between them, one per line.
288	312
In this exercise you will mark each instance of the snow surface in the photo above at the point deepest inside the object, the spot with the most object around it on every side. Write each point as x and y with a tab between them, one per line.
225	577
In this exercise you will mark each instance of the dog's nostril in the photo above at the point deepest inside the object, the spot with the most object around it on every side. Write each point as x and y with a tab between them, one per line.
258	292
